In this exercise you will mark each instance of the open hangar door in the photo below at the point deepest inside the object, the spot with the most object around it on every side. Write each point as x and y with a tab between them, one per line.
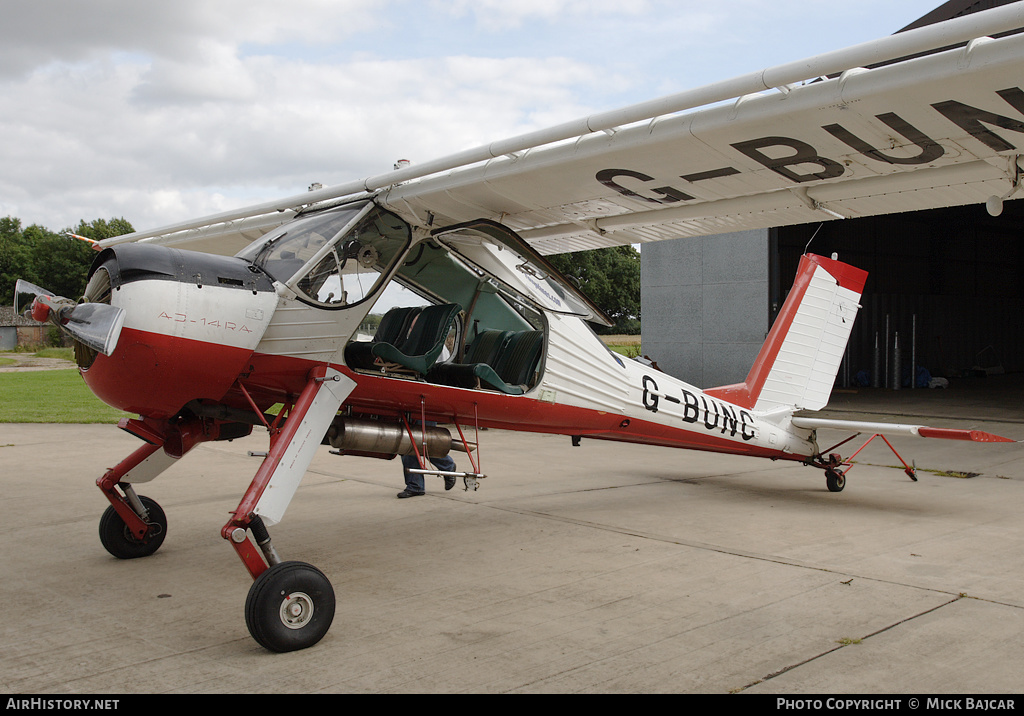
949	283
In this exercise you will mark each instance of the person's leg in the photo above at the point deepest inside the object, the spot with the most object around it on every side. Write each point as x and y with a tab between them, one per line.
445	463
414	484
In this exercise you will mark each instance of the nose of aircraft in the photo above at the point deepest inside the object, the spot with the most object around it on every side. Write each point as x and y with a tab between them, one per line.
189	323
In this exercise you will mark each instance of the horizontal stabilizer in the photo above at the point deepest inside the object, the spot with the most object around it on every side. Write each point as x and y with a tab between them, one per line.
978	436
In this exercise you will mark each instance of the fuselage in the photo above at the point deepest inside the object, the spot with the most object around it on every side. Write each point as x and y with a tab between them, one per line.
241	332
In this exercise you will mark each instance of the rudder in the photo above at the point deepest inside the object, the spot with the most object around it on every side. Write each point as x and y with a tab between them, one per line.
798	363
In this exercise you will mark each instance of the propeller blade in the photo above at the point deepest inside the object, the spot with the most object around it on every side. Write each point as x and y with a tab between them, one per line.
22	286
97	325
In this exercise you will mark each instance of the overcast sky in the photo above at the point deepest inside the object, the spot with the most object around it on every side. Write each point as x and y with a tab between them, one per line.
160	112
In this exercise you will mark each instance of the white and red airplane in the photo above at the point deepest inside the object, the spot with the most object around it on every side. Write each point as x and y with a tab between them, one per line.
200	328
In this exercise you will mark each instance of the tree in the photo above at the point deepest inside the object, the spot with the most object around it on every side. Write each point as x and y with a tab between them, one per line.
53	261
15	258
611	279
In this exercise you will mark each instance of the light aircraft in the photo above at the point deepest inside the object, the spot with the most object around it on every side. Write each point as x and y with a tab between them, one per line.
200	328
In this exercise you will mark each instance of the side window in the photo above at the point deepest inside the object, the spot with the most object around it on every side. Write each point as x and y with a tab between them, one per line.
323	283
352	269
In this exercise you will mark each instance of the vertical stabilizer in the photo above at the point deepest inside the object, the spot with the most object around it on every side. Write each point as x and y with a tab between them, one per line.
799	360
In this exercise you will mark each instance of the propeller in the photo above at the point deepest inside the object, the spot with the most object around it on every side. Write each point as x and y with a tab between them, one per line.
96	325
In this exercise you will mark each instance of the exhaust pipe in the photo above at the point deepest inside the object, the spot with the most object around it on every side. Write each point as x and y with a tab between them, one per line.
386	439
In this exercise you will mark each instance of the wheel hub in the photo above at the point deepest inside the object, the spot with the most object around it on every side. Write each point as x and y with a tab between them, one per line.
296	610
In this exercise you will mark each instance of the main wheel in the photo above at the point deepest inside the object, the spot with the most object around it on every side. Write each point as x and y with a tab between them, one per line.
835	480
119	540
290	606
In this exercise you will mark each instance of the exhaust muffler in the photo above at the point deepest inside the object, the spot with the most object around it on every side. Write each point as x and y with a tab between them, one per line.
386	439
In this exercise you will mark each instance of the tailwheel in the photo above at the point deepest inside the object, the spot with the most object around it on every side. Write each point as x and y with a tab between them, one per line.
290	606
835	480
118	539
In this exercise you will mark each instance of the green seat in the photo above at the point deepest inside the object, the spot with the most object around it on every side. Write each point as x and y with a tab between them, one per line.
421	344
394	325
514	369
511	367
481	353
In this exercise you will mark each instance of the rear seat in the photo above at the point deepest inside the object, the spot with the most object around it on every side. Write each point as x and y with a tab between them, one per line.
502	360
409	338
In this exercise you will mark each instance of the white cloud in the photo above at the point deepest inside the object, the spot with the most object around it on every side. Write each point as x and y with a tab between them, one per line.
44	31
498	14
160	112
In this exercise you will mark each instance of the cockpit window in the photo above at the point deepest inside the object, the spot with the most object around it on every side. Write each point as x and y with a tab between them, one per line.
523	274
335	258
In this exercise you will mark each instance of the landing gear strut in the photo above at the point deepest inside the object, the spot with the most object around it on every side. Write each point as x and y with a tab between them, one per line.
290	605
132	526
835	474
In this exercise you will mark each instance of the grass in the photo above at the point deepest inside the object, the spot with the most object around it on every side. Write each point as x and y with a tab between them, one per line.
626	345
51	396
630	350
62	353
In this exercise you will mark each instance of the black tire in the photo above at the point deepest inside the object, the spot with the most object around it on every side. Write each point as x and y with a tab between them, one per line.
289	607
120	542
835	480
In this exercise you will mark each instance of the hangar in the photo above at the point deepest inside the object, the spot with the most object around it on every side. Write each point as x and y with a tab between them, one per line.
943	297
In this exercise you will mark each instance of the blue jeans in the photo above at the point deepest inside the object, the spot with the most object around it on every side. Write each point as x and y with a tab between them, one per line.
414	481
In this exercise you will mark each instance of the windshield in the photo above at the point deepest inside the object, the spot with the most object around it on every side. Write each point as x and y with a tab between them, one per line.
283	252
335	258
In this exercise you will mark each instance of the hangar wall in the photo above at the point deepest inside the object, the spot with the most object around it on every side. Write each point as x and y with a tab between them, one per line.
957	271
954	275
705	305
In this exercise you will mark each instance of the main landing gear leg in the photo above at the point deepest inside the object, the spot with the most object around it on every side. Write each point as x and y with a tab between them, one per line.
290	605
135	526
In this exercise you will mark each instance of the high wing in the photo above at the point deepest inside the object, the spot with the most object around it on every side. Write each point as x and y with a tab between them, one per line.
934	131
816	140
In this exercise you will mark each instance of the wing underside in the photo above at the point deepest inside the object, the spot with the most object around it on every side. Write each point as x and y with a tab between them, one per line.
816	140
935	131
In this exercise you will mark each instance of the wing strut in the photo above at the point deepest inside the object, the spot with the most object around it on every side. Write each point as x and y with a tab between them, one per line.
291	450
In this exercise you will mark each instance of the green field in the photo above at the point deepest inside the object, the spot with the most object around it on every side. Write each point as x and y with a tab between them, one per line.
51	396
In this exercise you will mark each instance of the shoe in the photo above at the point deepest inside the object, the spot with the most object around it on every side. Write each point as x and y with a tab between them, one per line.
406	493
449	482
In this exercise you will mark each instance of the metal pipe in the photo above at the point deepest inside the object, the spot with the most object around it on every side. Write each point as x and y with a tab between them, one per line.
385	438
913	351
876	365
896	378
886	381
